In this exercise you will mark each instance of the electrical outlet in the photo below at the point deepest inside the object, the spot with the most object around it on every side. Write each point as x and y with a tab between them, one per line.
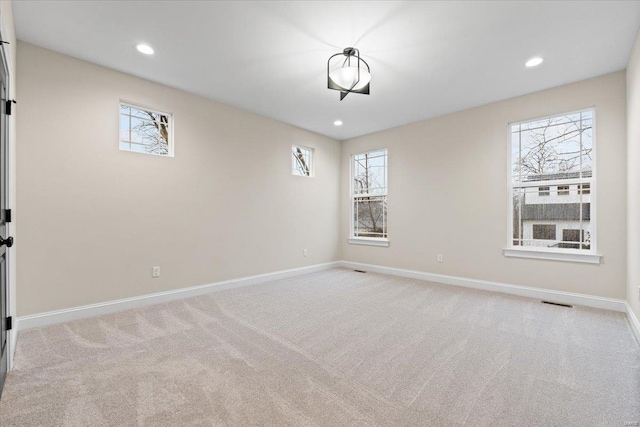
304	252
440	258
155	272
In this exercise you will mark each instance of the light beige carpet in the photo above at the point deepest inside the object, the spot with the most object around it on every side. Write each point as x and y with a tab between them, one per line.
332	348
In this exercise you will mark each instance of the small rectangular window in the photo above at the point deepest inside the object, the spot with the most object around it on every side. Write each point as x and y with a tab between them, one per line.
563	190
369	195
143	130
543	191
302	161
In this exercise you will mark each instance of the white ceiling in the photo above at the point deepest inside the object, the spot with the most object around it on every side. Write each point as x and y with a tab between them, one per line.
426	58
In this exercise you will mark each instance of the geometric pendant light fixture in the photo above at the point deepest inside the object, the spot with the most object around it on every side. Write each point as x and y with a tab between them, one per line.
349	73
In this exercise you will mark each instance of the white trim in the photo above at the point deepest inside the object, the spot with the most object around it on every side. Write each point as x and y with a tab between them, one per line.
12	335
633	321
587	257
368	242
523	291
82	312
553	183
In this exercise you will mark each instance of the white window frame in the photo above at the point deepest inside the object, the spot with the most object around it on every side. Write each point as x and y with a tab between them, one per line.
312	153
367	241
170	145
589	256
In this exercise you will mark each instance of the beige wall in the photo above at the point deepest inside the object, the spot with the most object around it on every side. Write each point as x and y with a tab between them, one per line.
96	219
633	184
9	34
226	206
448	192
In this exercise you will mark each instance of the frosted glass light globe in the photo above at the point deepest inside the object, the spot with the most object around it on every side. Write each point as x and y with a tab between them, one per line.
345	77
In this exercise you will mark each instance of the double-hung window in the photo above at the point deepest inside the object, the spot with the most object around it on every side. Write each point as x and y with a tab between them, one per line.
552	178
369	198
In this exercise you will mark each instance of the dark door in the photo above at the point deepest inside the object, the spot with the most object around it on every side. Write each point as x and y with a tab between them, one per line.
5	241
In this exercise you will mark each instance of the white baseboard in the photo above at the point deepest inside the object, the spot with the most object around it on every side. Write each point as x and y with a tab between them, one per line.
523	291
633	320
74	313
82	312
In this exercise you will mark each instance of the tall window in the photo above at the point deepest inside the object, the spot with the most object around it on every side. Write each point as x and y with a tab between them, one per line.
302	161
143	130
552	178
369	195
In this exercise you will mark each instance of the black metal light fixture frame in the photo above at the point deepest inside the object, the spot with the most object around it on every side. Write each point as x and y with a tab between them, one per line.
349	52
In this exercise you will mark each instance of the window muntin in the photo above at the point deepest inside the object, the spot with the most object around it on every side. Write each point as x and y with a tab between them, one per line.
555	153
143	130
369	195
573	235
301	161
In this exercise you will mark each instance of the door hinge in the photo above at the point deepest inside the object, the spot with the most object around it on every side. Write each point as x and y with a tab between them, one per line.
8	106
9	323
7	215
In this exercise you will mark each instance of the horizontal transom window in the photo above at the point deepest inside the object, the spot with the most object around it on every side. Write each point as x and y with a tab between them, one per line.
143	130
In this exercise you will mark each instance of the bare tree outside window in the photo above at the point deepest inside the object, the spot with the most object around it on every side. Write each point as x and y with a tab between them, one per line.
145	131
557	145
302	159
370	194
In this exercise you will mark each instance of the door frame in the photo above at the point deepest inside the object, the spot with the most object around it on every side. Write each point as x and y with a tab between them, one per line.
9	168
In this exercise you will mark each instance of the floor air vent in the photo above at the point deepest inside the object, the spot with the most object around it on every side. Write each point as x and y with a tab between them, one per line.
557	303
359	271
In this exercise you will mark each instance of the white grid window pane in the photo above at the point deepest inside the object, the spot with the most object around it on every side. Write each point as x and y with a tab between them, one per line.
301	161
145	131
535	216
370	217
370	173
555	148
369	198
587	144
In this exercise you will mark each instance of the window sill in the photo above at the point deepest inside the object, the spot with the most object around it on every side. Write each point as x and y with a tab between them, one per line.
589	258
368	242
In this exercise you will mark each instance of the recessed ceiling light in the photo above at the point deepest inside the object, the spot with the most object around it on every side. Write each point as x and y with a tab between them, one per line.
338	123
534	62
144	48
